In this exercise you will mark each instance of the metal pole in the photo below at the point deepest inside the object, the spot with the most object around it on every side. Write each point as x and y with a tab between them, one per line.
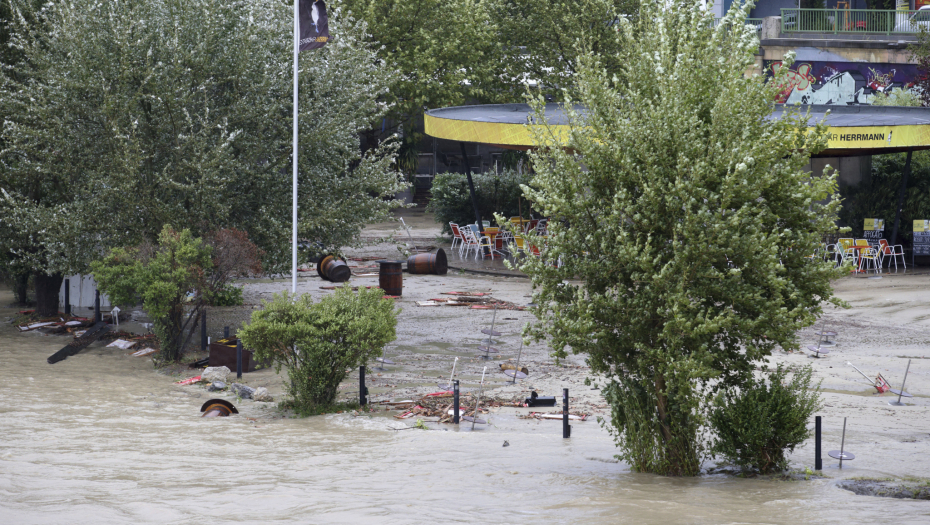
566	428
203	330
904	381
226	332
471	186
67	296
98	317
516	369
239	359
818	461
478	401
900	206
294	156
487	352
453	374
843	442
362	390
455	402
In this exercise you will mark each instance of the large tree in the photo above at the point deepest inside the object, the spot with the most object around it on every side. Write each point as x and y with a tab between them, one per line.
684	219
126	116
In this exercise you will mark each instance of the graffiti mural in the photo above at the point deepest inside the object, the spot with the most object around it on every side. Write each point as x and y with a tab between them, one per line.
841	83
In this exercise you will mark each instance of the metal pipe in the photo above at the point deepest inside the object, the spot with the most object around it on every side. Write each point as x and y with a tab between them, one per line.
566	428
516	369
203	330
471	185
226	332
478	401
818	460
455	402
294	156
901	393
843	442
239	359
362	390
67	296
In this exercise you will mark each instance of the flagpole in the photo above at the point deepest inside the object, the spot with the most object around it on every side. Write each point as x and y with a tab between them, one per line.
294	156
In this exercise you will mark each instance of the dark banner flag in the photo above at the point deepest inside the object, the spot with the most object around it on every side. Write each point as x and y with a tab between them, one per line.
314	24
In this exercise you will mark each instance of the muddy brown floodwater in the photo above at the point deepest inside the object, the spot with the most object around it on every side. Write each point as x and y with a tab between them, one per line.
102	438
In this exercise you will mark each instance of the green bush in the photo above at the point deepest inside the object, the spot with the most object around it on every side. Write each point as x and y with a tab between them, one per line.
451	201
318	343
228	295
756	426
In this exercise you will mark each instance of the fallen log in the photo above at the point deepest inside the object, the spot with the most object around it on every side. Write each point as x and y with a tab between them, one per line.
92	334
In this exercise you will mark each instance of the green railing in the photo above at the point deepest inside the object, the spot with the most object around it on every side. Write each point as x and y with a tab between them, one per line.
853	21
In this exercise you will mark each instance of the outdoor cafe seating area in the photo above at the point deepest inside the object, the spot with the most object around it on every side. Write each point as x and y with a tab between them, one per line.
863	254
488	241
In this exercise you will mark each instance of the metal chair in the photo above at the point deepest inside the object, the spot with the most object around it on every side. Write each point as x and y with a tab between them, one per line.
894	252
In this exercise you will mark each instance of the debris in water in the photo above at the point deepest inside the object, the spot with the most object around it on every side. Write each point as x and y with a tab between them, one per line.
144	352
122	344
188	381
218	408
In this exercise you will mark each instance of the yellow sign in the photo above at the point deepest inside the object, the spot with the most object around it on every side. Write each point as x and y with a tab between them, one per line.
875	225
922	226
872	137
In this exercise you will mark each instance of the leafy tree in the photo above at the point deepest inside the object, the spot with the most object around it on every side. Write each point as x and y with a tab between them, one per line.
166	277
758	424
318	342
683	217
541	40
125	116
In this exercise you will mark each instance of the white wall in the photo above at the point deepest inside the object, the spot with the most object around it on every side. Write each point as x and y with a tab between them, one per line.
82	293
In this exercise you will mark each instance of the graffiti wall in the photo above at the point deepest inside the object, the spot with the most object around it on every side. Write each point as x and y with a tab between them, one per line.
841	83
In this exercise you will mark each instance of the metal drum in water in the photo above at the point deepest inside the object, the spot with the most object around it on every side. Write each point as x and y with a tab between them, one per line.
391	278
333	269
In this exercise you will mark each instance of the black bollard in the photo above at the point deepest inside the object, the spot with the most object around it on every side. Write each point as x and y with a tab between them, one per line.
239	359
566	428
67	296
203	330
362	390
98	317
818	461
225	332
455	402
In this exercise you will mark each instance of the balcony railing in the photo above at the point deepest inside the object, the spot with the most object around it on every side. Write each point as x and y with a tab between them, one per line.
853	21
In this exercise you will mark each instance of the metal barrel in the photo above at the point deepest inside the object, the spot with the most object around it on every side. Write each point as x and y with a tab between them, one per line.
391	278
333	269
434	263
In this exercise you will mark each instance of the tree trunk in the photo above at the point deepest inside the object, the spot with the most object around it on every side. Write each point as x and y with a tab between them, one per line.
47	288
21	287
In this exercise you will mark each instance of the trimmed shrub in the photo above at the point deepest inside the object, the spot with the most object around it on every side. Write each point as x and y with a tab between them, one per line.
318	343
451	201
759	424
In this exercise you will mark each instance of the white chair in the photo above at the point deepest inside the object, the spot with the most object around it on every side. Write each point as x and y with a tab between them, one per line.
456	235
870	259
469	241
887	250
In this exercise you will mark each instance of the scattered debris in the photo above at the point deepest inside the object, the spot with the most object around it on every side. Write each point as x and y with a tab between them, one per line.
122	344
80	342
188	381
26	328
536	400
242	391
144	352
215	373
508	366
506	443
261	394
573	416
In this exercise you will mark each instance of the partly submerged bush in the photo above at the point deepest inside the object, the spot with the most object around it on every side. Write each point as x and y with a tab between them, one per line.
759	424
318	343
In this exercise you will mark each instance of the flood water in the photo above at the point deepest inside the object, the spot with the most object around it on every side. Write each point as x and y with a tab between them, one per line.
101	438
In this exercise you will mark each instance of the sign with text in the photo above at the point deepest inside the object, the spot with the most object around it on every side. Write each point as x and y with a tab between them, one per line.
922	237
873	228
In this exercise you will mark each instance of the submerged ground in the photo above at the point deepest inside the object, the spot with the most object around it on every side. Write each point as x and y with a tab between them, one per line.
104	438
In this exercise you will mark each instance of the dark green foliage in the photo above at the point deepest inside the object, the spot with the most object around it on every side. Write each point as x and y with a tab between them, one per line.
757	425
495	194
878	197
319	342
229	295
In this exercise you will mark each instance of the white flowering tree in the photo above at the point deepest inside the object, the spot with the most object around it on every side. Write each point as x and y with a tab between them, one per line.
126	116
684	220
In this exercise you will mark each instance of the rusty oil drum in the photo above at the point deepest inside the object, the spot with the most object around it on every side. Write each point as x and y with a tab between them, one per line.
434	263
391	277
333	269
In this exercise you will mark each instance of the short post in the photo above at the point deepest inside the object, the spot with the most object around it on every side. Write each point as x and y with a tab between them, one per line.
203	330
362	389
226	332
843	443
455	402
67	296
239	359
98	317
903	381
818	461
566	428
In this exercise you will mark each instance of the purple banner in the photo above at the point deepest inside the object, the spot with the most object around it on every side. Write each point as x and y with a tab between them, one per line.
841	83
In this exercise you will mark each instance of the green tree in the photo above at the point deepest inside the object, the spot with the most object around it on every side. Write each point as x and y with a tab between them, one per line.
495	193
683	218
541	40
126	116
319	342
166	277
